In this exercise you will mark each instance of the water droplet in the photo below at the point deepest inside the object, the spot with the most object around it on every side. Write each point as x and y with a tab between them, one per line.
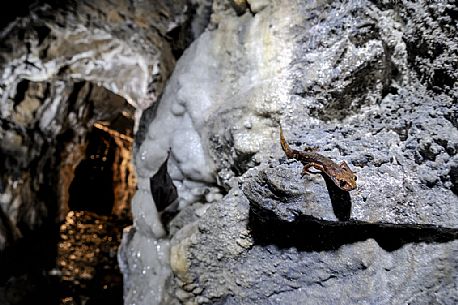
143	155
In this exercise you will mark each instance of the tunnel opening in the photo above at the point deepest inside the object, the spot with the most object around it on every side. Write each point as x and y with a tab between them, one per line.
98	209
92	186
98	203
72	181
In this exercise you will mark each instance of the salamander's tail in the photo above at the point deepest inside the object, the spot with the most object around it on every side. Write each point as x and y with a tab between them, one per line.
284	145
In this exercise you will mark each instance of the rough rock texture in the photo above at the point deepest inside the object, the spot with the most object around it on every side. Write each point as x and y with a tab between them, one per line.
370	82
121	45
225	263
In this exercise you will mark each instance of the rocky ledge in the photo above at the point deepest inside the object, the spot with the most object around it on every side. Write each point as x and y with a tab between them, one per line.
371	83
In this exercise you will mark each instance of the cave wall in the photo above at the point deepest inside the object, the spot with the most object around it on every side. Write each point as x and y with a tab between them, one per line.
118	44
65	65
369	82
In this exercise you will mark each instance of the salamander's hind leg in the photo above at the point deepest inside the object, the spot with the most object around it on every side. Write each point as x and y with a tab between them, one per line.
306	171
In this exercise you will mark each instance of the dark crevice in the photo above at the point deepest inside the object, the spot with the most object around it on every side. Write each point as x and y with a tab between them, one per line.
73	97
162	188
384	5
403	131
183	35
42	33
453	173
6	227
388	73
242	162
31	254
239	7
248	6
307	233
21	91
19	8
442	78
148	115
452	117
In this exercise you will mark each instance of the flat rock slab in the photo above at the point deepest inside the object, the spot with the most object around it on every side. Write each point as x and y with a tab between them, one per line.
231	257
278	190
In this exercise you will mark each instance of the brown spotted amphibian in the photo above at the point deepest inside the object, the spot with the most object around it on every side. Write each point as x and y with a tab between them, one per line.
340	173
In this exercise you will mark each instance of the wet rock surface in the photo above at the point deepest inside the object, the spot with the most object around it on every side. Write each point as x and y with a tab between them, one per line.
87	259
77	266
352	78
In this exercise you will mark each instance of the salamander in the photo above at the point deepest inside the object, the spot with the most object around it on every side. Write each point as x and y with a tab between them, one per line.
340	174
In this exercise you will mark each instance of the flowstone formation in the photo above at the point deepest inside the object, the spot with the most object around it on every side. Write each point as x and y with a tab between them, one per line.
369	82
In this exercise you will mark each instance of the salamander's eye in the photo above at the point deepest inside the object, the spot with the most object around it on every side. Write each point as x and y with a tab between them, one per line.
342	183
356	178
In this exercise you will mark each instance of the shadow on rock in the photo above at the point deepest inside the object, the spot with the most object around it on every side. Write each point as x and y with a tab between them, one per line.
307	233
340	199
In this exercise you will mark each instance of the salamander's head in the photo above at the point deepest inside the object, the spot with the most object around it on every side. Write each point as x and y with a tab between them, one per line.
344	178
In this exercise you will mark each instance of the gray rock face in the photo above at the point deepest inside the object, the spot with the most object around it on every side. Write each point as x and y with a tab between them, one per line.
354	79
220	262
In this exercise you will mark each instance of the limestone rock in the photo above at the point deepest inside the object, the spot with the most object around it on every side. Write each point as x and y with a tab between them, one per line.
120	45
230	262
351	78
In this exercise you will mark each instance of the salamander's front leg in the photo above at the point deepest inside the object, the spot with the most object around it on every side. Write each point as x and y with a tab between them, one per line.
343	165
306	171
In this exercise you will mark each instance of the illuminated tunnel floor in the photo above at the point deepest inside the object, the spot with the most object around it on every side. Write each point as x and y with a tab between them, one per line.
87	259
